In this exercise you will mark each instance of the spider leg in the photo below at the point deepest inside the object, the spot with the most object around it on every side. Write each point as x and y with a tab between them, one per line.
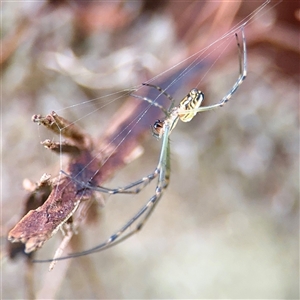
126	189
160	90
122	190
145	212
242	65
155	103
241	78
164	93
152	204
151	102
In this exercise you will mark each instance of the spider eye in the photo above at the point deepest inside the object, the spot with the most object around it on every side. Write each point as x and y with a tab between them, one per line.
200	96
157	128
158	124
196	96
194	92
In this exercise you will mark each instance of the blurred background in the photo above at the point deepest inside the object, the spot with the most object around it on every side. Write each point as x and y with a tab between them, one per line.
228	224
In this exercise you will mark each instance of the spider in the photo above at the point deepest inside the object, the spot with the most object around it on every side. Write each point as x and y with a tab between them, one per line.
187	109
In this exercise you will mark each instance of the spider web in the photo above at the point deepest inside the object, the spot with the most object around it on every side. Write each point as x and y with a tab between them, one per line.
187	219
88	113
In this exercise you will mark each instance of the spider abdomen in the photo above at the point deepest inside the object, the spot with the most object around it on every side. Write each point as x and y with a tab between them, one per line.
189	104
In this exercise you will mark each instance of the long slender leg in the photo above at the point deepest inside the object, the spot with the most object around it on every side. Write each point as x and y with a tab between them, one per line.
164	93
121	190
155	103
242	65
241	78
163	180
160	90
151	102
